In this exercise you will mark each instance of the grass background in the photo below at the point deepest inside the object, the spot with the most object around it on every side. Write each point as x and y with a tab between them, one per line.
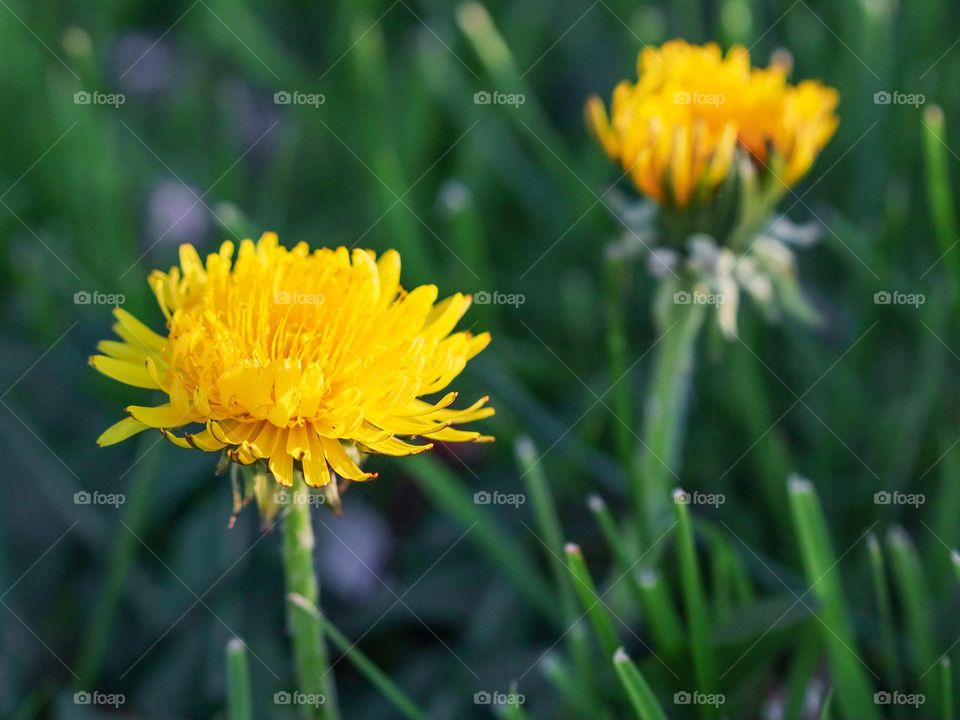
477	198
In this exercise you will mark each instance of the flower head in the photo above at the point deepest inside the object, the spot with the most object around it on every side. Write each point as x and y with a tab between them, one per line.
676	131
295	357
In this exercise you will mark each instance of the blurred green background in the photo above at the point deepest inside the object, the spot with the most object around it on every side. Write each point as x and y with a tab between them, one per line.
385	145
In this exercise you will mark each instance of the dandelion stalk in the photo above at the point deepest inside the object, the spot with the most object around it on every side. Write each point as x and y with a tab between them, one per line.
366	667
665	414
314	674
239	703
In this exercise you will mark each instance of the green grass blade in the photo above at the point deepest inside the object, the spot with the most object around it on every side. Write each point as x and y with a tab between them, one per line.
642	699
611	533
593	606
946	688
826	712
853	689
570	687
660	615
547	522
914	593
939	192
239	702
366	667
881	593
695	602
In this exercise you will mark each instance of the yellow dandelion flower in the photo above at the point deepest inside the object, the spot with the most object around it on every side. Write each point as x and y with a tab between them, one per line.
295	357
676	131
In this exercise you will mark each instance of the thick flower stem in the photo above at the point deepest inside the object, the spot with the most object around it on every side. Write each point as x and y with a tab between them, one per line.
665	413
314	674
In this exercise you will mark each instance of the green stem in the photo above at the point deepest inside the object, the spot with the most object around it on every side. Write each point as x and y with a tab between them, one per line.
665	414
314	674
239	704
364	665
